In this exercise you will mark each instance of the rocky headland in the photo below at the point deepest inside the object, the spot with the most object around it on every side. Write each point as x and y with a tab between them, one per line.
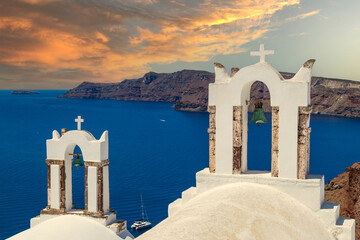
344	190
24	92
188	90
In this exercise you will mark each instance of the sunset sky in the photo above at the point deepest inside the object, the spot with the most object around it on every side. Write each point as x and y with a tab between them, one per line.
57	44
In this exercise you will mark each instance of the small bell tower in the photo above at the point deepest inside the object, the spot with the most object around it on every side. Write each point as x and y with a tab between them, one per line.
60	152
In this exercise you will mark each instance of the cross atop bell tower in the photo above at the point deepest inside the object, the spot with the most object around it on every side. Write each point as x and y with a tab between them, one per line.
262	53
79	120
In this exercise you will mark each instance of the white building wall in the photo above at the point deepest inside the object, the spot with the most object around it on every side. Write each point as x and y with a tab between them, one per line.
106	192
92	189
55	186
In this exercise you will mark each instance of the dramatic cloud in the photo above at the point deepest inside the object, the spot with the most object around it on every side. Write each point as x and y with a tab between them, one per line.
62	41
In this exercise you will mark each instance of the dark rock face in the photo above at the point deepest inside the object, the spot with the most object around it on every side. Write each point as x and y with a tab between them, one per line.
188	89
24	92
344	190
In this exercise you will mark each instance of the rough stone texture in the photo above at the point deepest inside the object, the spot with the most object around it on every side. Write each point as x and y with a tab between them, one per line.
62	187
100	186
97	164
54	162
120	225
218	65
308	150
344	190
86	188
52	211
63	131
275	142
49	186
303	141
62	212
212	137
309	63
237	139
188	89
234	70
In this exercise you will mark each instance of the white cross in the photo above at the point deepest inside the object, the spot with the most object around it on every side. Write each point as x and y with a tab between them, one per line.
262	53
79	121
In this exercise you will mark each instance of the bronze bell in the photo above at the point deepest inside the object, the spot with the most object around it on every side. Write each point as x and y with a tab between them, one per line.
77	162
259	115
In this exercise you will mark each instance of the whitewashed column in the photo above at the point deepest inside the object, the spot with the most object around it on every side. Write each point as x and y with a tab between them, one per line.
106	191
92	189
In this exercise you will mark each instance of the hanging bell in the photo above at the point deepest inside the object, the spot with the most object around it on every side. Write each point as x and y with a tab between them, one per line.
258	116
77	162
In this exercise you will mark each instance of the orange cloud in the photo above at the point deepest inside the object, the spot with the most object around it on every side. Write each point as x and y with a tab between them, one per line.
119	39
302	16
39	1
15	23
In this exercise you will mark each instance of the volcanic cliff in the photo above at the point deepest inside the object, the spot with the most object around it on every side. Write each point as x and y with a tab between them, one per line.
188	90
344	189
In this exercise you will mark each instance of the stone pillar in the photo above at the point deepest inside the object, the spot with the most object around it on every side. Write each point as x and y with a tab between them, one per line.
275	142
100	188
308	151
48	186
62	188
303	141
106	189
212	137
237	139
86	189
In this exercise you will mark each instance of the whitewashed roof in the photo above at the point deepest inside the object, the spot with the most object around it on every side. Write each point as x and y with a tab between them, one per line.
68	227
241	211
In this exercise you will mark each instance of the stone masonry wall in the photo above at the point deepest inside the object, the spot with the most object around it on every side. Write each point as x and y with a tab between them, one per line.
303	141
237	139
212	137
275	142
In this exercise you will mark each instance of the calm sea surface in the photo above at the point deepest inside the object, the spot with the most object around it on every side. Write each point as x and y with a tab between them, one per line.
154	151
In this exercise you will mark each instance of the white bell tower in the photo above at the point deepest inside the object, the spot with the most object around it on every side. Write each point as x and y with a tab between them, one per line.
95	154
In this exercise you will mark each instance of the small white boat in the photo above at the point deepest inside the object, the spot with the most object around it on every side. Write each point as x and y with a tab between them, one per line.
141	223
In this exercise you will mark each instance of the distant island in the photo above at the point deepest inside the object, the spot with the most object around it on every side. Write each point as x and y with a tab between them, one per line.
188	90
25	92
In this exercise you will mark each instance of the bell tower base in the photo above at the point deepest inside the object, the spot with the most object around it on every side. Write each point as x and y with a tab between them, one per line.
108	219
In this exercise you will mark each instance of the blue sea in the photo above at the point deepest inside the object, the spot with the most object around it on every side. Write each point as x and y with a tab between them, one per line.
154	151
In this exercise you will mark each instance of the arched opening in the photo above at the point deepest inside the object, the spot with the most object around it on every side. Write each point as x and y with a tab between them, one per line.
259	137
78	180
